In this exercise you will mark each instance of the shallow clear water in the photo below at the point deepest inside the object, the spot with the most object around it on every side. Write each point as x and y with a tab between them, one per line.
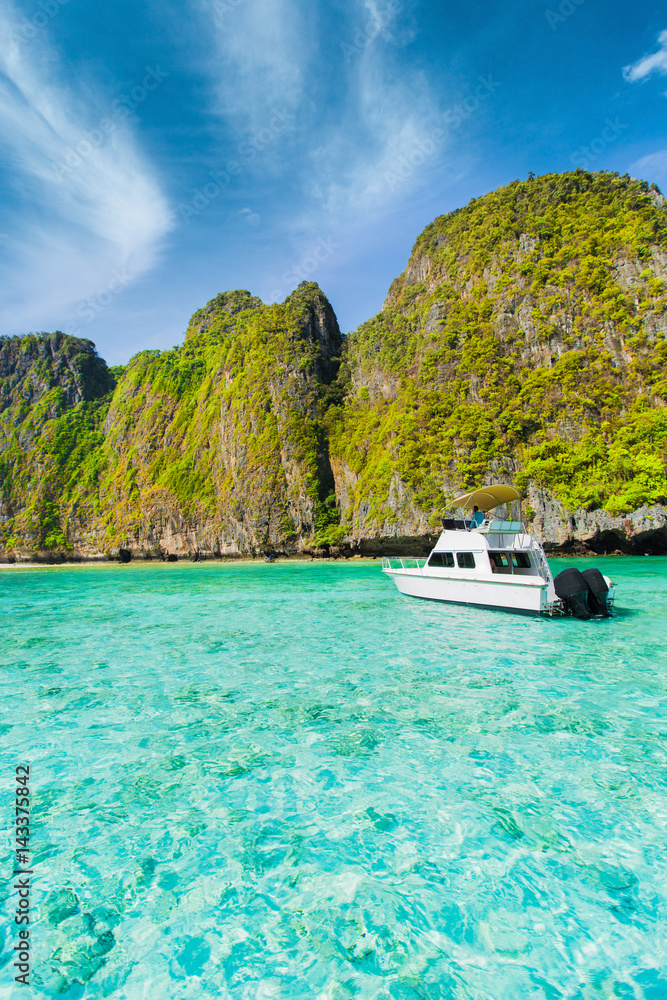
289	781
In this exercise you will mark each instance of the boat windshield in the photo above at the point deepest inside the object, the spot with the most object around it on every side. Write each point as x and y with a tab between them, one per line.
456	524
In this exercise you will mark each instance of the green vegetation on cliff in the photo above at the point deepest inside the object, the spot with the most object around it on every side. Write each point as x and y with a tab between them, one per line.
54	395
526	340
224	431
528	333
228	426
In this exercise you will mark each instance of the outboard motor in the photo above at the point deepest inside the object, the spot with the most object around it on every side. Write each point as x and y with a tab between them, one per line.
572	588
597	598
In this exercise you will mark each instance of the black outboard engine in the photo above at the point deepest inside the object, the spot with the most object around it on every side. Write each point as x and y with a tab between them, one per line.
597	598
572	588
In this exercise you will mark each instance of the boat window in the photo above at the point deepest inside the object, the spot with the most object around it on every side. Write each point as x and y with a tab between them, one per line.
499	559
466	560
441	559
521	560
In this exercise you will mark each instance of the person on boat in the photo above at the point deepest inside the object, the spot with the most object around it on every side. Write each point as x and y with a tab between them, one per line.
477	517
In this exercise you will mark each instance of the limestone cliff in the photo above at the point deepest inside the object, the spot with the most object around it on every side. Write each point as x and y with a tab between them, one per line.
52	392
525	342
214	448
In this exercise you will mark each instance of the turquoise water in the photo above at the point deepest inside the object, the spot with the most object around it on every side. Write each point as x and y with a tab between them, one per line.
261	782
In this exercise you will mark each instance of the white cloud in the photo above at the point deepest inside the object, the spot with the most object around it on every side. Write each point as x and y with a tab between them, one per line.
78	208
367	129
647	65
369	121
377	154
389	137
262	49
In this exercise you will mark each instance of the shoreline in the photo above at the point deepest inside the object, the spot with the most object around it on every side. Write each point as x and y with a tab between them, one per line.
260	560
185	561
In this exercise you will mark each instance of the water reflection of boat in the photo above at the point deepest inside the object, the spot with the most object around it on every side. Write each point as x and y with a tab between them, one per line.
496	563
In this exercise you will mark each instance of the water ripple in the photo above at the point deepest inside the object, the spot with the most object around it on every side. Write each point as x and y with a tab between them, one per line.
287	781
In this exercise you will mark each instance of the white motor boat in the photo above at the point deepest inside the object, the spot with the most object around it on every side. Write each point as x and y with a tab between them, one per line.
495	563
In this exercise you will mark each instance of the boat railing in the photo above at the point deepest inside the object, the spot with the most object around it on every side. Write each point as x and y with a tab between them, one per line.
611	597
403	562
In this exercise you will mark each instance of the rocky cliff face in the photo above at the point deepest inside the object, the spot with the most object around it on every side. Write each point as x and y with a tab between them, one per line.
215	448
35	366
583	532
525	342
52	390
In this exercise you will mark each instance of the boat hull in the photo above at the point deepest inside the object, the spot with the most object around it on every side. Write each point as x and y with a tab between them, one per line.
530	597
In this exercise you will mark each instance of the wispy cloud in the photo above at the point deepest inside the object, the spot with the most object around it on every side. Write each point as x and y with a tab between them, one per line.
652	168
388	120
647	65
75	217
360	119
385	123
262	49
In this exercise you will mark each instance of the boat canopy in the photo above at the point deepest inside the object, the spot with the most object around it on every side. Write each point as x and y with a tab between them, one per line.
486	497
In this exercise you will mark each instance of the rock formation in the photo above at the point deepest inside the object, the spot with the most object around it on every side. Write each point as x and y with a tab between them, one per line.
525	342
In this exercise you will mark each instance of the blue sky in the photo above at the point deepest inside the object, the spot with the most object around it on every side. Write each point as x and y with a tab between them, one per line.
155	153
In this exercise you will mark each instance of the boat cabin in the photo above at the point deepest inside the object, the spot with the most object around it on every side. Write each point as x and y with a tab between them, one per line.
495	547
